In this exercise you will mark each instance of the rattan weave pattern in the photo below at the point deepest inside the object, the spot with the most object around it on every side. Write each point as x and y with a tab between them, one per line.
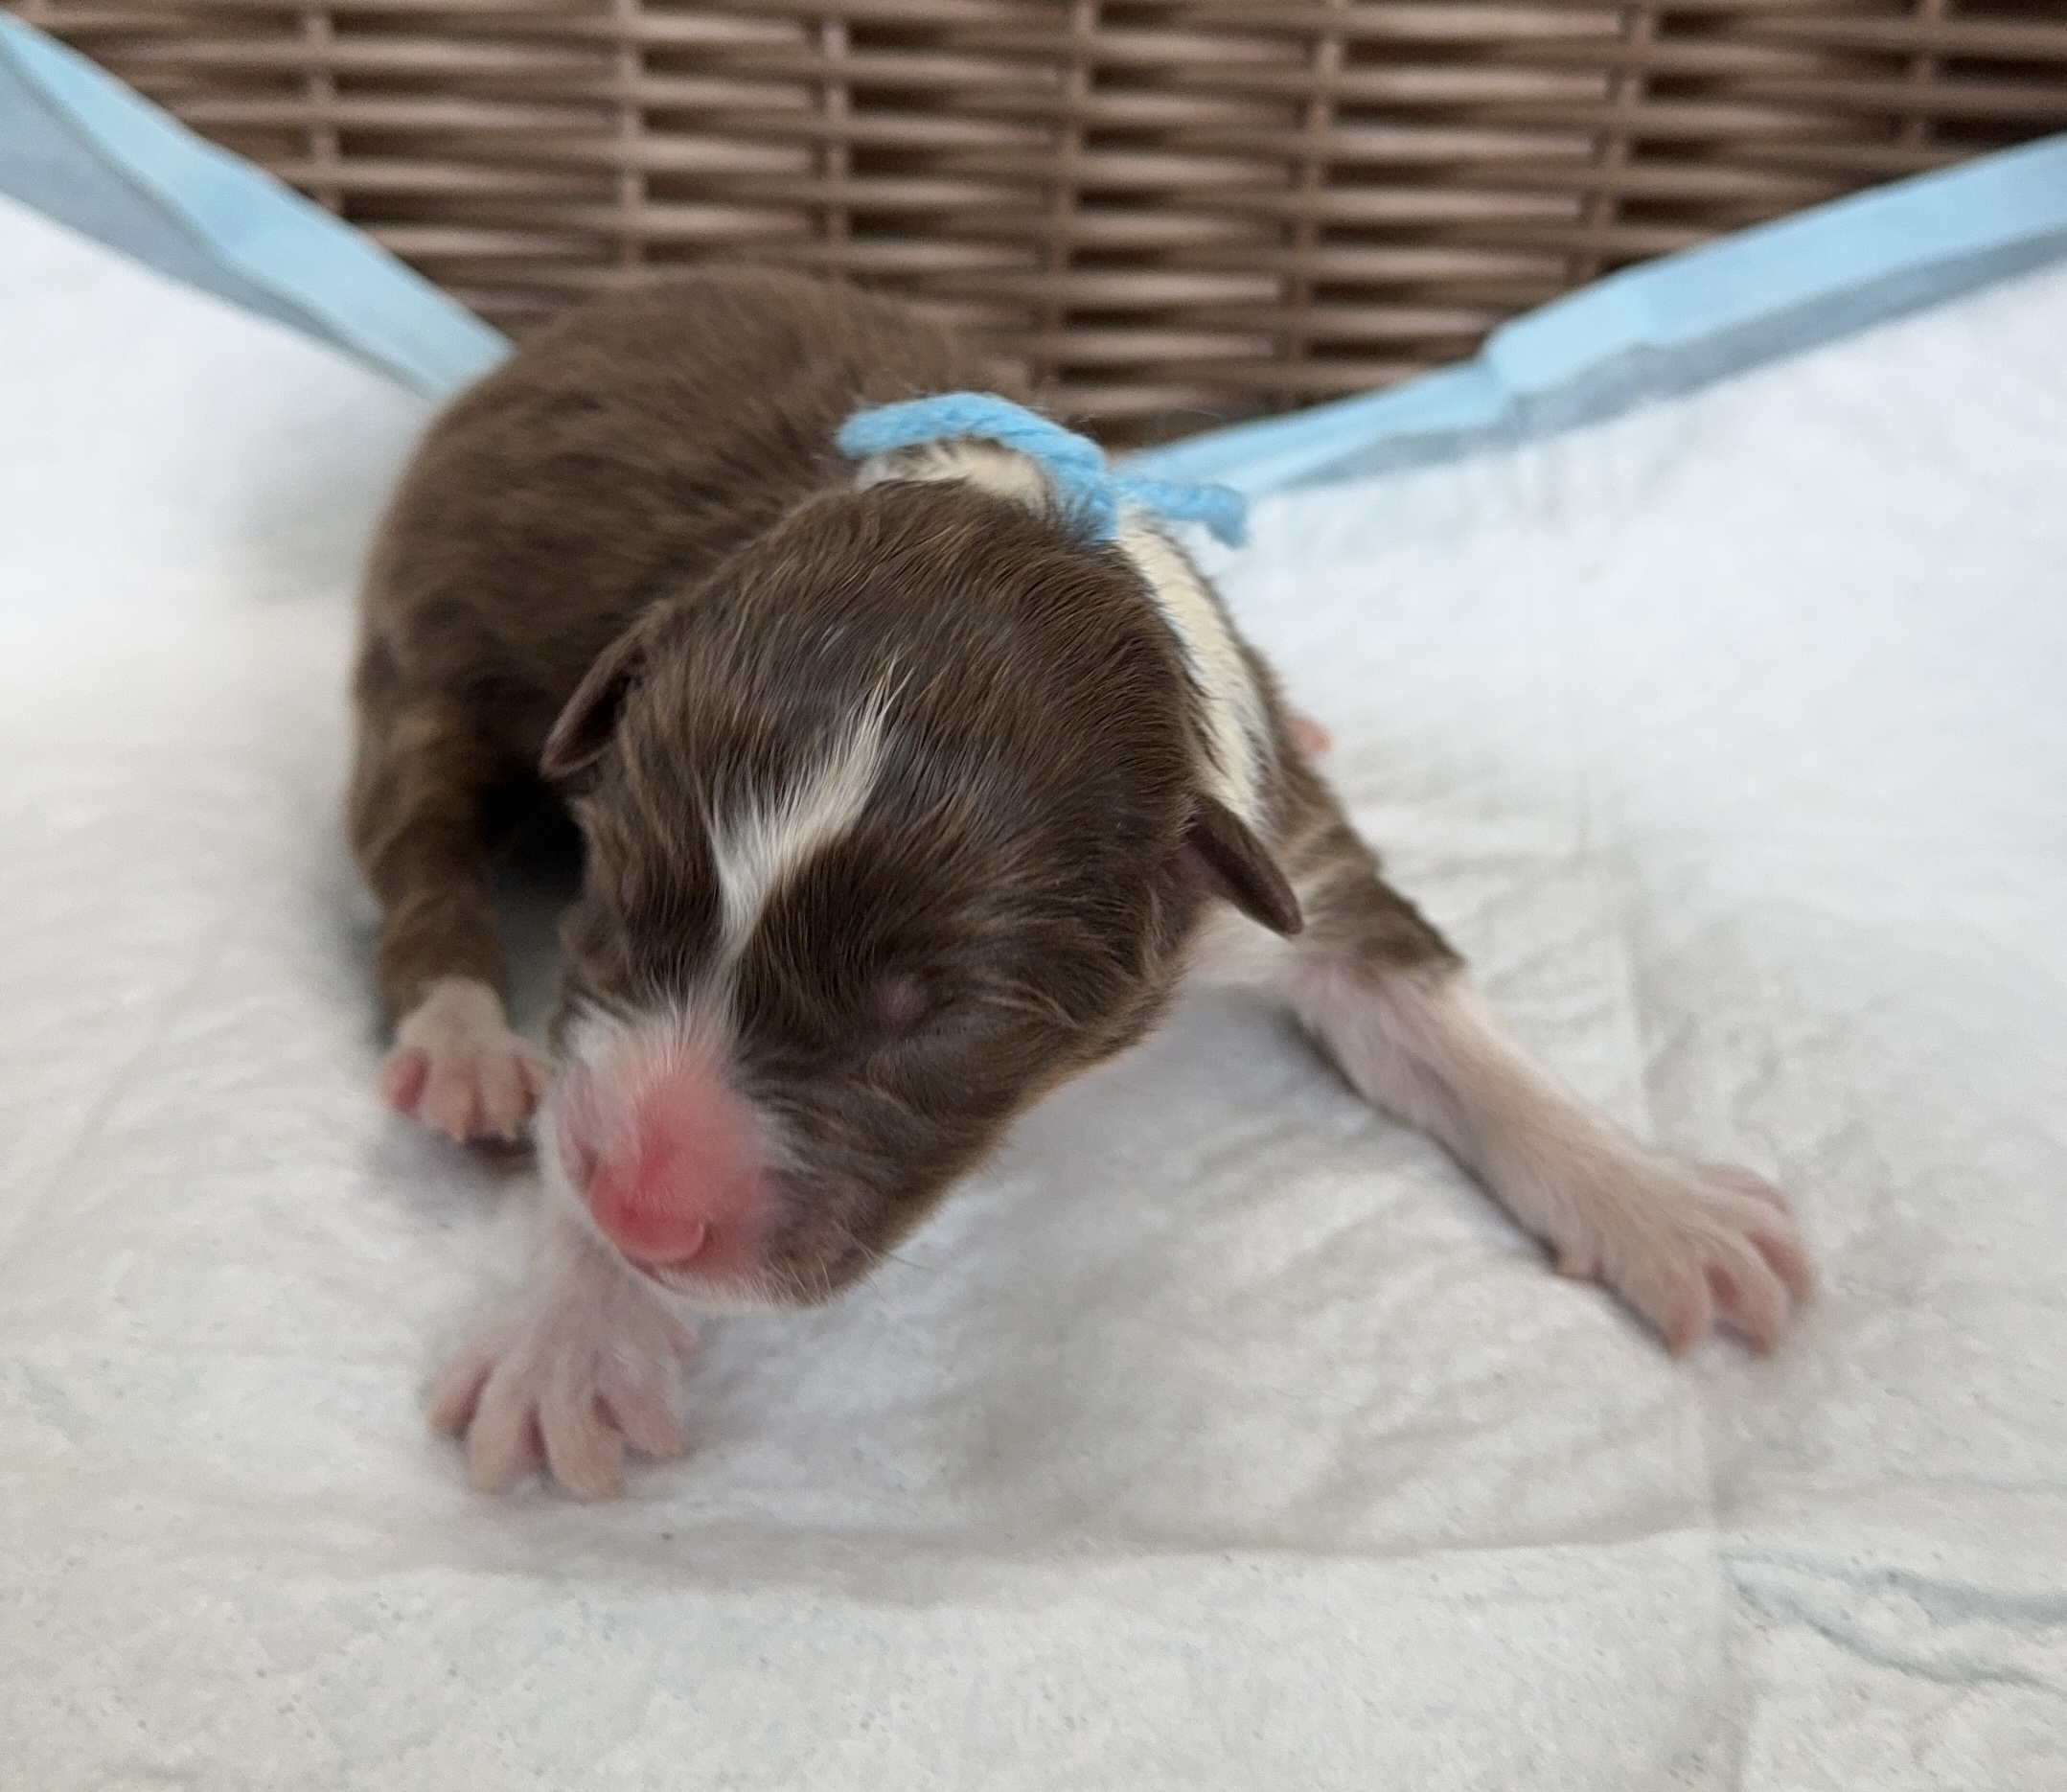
1172	213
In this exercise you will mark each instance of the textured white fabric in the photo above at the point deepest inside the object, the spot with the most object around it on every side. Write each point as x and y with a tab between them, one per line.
1222	1434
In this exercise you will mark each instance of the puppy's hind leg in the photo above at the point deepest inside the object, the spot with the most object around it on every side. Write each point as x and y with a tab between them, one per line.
419	834
1686	1245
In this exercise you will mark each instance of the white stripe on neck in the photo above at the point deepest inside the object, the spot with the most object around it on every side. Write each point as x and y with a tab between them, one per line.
1234	718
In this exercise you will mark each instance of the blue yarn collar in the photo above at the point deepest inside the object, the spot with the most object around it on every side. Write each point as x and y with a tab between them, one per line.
1075	463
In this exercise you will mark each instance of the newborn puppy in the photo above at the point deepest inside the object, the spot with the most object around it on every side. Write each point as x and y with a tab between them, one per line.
904	785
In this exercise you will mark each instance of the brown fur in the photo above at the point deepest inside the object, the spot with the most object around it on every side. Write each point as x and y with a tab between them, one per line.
622	455
631	559
638	527
1037	780
1352	911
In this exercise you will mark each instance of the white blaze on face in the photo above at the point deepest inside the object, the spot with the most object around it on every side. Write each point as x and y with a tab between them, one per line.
1235	724
759	845
764	840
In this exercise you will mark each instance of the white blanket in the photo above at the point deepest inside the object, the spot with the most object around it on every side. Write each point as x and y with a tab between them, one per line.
1222	1434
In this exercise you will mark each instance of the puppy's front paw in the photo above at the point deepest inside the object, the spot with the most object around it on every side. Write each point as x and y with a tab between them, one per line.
1689	1246
459	1070
589	1363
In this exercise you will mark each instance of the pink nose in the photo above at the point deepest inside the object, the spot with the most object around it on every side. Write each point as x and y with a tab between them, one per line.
688	1180
638	1224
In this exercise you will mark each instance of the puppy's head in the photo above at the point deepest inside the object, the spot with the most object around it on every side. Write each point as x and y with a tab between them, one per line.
892	823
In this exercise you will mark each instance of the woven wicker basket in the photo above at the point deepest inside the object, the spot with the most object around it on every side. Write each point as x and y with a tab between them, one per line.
1174	213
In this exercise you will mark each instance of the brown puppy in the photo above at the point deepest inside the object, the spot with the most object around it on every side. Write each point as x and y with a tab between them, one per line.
902	801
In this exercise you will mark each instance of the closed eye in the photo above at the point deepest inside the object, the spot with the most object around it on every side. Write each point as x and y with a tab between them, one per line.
898	1005
909	1013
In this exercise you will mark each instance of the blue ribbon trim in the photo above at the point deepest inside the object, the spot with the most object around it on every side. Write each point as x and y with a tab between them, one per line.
1090	490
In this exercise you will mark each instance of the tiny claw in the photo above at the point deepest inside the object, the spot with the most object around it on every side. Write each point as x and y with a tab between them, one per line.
587	1366
458	1070
1687	1319
403	1078
1308	736
453	1406
537	1075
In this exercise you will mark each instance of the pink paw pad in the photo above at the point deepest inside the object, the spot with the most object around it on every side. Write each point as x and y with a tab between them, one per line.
1717	1247
457	1067
584	1372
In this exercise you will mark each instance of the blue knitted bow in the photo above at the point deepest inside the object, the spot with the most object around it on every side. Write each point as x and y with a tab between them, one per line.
1076	465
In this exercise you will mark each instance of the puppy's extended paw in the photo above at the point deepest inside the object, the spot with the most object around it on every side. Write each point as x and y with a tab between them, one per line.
591	1363
1689	1246
459	1070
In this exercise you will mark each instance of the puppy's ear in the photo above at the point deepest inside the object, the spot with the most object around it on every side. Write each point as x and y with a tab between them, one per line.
1219	856
590	717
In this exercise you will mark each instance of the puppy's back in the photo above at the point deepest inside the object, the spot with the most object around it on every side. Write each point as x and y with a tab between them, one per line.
618	454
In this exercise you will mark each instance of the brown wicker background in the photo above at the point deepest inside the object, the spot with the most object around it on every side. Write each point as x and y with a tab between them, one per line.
1175	213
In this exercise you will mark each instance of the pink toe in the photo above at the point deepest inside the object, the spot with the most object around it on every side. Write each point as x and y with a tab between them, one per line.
535	1074
584	1450
448	1105
505	1104
504	1443
1746	1184
1751	1302
1688	1314
648	1420
1789	1261
403	1078
451	1410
